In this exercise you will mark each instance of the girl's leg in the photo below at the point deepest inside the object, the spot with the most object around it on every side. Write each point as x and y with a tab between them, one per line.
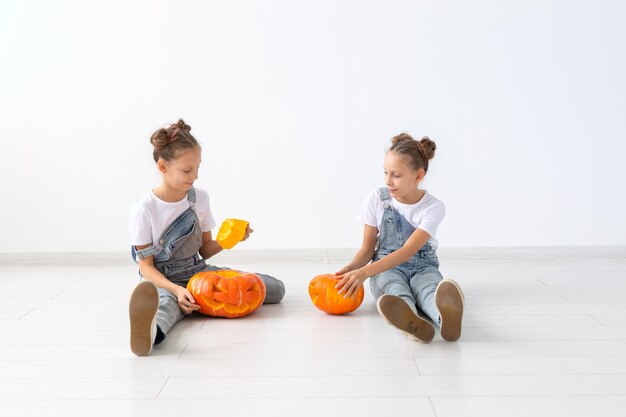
397	305
441	299
423	286
274	288
167	315
142	309
392	282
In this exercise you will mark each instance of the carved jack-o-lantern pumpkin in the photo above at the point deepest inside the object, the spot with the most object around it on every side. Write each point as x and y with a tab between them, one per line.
231	232
227	293
325	296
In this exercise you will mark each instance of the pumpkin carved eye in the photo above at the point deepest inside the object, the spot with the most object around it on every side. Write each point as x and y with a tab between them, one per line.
325	296
227	293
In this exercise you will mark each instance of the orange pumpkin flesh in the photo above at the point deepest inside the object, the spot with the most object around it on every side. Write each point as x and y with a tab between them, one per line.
231	232
325	296
227	293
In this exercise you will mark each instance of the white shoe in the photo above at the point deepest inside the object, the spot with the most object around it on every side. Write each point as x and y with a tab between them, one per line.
450	301
144	303
398	313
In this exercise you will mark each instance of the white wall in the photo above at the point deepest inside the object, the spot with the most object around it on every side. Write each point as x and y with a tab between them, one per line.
295	102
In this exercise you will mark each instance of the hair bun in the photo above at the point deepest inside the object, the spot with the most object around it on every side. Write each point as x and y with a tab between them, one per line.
160	139
428	147
180	124
402	137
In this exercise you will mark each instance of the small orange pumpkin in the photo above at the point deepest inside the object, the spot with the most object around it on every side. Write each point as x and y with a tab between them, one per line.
227	293
325	296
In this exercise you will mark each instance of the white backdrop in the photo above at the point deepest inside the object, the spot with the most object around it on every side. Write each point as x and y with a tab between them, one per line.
294	103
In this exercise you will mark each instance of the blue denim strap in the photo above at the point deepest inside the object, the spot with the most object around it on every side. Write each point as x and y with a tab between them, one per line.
158	247
149	251
191	197
383	192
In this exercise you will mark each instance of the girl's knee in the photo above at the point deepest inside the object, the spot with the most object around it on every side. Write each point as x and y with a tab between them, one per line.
427	276
274	291
375	289
387	278
166	297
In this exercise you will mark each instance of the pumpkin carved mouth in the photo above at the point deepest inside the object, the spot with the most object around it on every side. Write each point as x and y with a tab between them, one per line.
227	293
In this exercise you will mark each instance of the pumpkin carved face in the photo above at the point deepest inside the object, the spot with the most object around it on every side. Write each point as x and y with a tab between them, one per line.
227	293
231	232
325	296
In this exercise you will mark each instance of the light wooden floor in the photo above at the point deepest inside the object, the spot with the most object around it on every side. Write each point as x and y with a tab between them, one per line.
544	335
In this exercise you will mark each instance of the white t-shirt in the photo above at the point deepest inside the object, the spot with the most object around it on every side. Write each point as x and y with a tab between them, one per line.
426	214
150	216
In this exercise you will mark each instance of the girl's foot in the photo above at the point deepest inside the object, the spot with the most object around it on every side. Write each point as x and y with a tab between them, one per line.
398	313
449	299
144	304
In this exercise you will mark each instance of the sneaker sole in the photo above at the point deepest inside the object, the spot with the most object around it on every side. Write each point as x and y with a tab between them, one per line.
449	299
397	313
144	304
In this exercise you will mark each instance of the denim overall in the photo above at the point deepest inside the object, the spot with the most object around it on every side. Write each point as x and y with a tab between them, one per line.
415	281
176	257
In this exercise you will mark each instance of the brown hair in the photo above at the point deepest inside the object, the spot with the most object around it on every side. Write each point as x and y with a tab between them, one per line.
418	153
169	141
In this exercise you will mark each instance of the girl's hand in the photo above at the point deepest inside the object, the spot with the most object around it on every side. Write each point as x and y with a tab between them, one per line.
350	282
249	231
186	302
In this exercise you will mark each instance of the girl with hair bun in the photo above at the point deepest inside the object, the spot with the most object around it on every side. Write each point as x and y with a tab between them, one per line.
398	253
171	240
